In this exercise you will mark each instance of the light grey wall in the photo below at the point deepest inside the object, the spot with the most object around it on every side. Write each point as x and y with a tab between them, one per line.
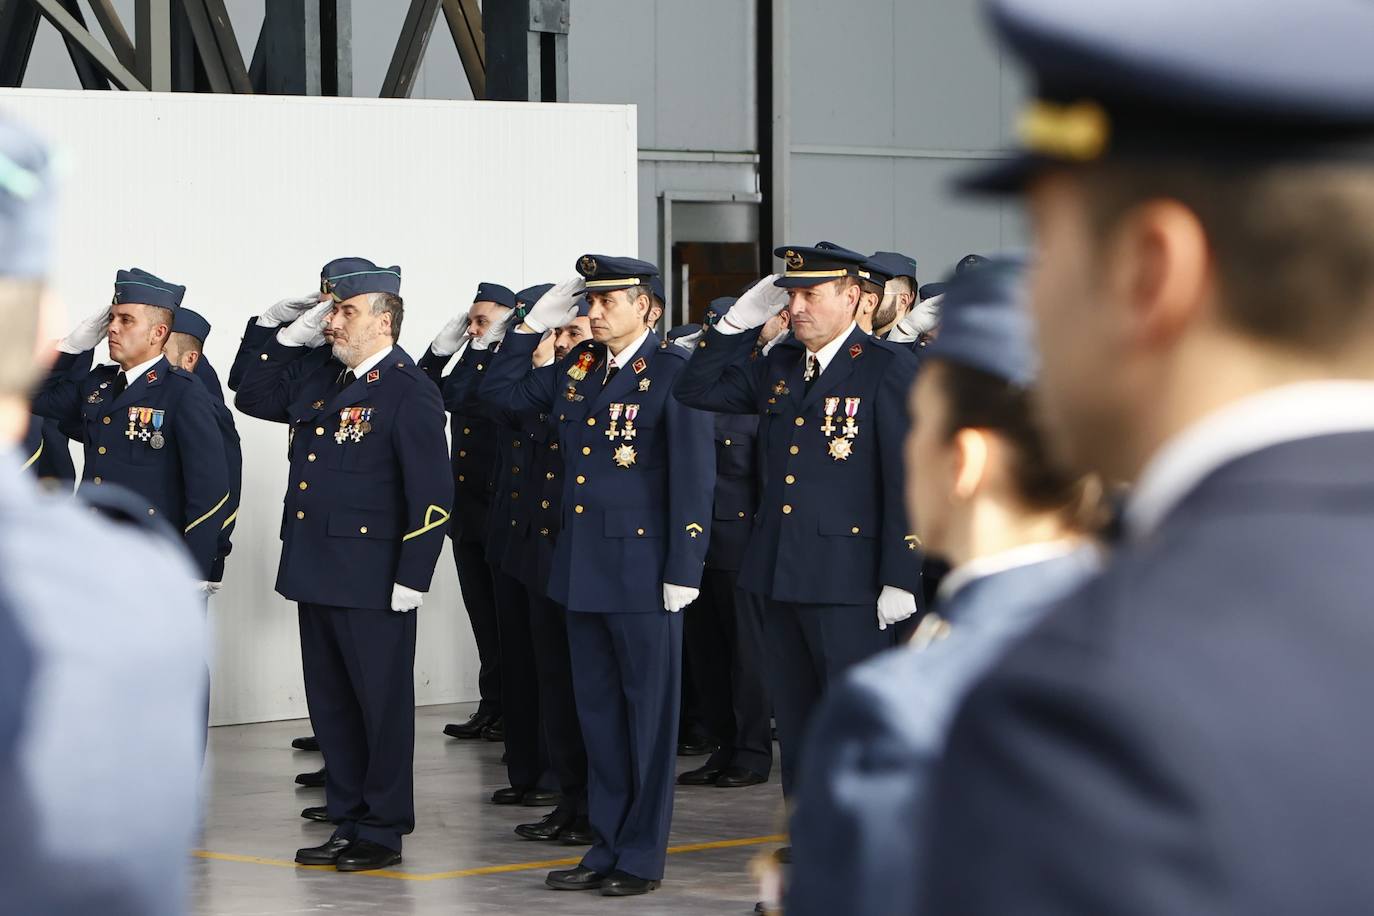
888	99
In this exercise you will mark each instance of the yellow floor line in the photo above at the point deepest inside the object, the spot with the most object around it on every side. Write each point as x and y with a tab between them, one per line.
473	872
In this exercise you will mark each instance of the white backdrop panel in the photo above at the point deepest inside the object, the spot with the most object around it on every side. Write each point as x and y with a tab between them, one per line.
242	199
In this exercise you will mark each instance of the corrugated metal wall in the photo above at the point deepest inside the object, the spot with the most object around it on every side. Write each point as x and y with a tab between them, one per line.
242	199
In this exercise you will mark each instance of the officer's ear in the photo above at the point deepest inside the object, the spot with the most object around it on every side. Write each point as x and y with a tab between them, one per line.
972	457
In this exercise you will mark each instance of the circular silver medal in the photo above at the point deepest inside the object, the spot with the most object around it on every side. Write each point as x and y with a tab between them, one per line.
156	441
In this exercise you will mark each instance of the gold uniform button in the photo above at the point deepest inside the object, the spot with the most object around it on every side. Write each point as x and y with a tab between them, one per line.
97	480
515	470
786	510
591	421
727	441
303	485
467	431
310	457
639	531
578	509
512	523
106	421
262	356
461	478
101	450
319	430
741	515
300	515
794	450
581	479
800	421
514	494
548	475
362	529
543	504
462	453
586	449
854	530
790	478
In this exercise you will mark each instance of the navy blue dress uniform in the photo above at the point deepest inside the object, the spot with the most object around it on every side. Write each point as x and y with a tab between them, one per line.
829	531
723	629
473	441
194	324
367	506
1187	734
46	453
157	437
636	514
864	797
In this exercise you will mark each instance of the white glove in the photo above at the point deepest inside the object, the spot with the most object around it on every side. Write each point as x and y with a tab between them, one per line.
677	597
287	310
555	308
495	332
783	335
307	330
405	599
87	333
762	301
451	336
894	606
688	342
211	588
922	319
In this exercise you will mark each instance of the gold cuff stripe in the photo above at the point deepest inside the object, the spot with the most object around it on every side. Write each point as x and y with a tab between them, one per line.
34	457
434	517
623	281
230	520
218	506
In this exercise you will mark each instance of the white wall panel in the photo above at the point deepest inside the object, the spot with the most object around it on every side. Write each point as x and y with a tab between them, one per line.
242	199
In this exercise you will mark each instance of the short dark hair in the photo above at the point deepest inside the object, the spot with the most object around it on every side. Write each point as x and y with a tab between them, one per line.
981	400
644	289
186	343
1291	243
872	287
392	305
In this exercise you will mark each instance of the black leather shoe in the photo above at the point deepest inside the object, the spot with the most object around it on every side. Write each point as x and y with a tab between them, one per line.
738	778
472	728
695	747
624	884
496	731
701	776
541	798
550	828
307	743
320	813
365	855
580	878
324	854
578	833
313	780
507	796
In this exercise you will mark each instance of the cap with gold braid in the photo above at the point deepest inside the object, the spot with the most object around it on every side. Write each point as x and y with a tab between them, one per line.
604	274
819	264
1226	81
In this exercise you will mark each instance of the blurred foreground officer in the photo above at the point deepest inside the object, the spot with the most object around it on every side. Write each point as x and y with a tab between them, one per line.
723	632
146	426
185	350
101	715
990	498
830	550
364	521
1187	734
473	443
637	518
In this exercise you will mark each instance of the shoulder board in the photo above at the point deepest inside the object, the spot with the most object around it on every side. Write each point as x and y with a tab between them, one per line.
675	351
880	343
178	372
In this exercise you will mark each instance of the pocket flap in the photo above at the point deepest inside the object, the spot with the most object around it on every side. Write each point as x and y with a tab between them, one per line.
630	523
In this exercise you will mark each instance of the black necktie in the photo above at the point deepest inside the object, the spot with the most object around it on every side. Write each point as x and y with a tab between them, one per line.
346	378
120	383
813	371
610	373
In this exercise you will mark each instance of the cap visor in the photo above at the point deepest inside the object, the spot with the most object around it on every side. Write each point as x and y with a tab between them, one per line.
1004	177
801	282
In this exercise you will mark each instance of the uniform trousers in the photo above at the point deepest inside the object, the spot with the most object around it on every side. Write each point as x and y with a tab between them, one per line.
627	673
567	754
723	637
519	682
809	647
360	687
474	581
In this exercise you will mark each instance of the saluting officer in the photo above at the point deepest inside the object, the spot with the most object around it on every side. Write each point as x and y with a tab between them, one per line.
831	549
362	528
723	630
473	440
146	425
637	518
185	350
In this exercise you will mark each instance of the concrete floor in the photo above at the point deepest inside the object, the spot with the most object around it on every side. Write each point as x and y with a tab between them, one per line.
463	857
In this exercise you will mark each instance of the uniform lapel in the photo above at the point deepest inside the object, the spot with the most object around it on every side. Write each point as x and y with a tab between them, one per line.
359	389
627	379
151	378
840	368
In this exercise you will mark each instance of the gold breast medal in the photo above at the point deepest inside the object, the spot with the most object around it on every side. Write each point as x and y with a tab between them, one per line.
577	372
625	453
354	423
841	446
